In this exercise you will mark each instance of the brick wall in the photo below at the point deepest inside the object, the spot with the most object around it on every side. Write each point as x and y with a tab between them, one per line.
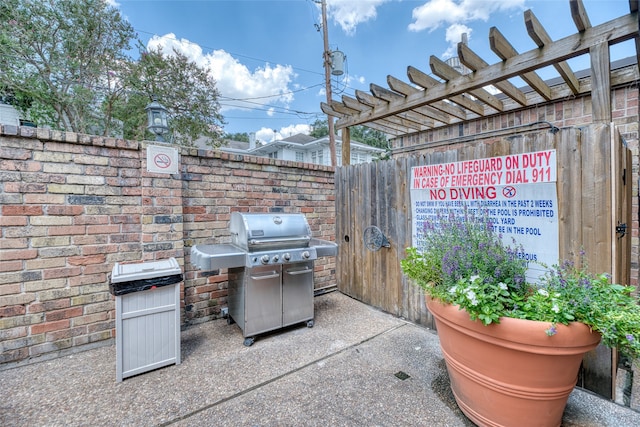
73	205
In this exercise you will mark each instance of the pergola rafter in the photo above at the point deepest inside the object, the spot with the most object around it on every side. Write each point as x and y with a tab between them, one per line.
427	103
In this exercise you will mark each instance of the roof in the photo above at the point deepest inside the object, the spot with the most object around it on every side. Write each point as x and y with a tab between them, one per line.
300	138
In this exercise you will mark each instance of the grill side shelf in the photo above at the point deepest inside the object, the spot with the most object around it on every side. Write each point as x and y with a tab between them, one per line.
215	257
324	247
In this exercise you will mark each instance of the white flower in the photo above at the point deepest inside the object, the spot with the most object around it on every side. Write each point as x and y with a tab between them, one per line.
543	292
474	278
555	308
472	297
453	289
502	286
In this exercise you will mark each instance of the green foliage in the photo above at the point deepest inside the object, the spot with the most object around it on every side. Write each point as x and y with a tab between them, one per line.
570	293
56	57
243	136
64	64
465	263
319	128
369	136
362	134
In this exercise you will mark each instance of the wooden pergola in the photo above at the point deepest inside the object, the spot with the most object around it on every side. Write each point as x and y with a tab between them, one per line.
428	103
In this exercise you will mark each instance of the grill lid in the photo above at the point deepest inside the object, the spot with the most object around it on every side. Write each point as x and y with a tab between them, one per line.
267	231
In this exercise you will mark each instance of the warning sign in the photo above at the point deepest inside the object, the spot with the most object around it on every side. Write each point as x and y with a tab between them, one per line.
162	159
516	193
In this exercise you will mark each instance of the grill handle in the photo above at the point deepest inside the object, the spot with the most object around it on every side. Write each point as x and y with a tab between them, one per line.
266	276
297	272
302	239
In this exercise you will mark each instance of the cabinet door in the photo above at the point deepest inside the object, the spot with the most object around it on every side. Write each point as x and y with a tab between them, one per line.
263	300
297	293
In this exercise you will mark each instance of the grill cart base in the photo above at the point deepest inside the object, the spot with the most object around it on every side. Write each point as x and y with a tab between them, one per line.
263	299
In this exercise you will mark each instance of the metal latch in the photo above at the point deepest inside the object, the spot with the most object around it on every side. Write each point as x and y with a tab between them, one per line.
621	229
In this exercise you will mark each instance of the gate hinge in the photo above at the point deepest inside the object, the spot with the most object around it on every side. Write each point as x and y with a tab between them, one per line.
621	229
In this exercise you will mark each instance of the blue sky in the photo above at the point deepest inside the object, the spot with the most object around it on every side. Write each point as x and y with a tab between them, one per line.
266	55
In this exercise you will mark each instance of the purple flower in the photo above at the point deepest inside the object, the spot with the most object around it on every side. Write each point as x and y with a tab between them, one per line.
551	331
630	338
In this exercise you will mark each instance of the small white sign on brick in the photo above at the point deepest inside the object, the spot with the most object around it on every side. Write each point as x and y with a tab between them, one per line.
162	159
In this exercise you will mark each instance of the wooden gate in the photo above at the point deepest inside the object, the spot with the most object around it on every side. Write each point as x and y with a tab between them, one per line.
594	197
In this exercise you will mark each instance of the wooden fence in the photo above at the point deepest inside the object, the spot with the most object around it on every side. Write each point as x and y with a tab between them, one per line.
593	188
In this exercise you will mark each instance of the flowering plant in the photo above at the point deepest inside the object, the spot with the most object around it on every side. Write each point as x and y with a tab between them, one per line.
465	262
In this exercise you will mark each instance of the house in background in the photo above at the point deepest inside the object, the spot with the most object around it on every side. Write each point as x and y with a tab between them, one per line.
308	149
9	115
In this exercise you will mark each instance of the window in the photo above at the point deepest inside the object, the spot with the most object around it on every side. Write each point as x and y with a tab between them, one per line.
299	156
317	157
273	155
357	157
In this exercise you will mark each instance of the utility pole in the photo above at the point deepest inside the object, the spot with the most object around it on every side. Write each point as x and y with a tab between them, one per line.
327	78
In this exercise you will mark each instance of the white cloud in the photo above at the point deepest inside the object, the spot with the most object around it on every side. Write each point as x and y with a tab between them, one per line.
350	80
267	135
291	130
349	13
453	36
239	87
435	13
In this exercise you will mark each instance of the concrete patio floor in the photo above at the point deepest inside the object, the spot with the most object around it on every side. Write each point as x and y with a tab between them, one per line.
341	372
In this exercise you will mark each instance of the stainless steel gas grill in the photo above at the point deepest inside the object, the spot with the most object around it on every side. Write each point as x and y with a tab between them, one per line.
270	267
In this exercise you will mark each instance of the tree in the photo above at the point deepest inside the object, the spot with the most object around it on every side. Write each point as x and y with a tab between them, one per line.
64	64
359	133
59	59
243	136
319	128
187	91
369	136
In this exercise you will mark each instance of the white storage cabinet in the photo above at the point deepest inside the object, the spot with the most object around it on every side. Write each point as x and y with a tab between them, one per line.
147	316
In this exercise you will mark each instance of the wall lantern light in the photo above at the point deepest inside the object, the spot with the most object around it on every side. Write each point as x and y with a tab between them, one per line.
157	119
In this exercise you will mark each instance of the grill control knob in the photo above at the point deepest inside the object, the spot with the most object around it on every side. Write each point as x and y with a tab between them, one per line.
264	259
305	254
287	256
276	258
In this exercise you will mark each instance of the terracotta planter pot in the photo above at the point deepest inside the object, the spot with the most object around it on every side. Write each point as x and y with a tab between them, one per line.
512	373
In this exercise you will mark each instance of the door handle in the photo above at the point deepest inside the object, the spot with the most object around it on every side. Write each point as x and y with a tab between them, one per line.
266	276
298	272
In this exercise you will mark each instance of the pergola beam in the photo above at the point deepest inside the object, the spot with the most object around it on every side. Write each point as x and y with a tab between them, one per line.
501	47
355	104
422	79
395	131
391	120
633	8
540	37
472	61
387	95
611	32
447	72
438	110
601	83
579	15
